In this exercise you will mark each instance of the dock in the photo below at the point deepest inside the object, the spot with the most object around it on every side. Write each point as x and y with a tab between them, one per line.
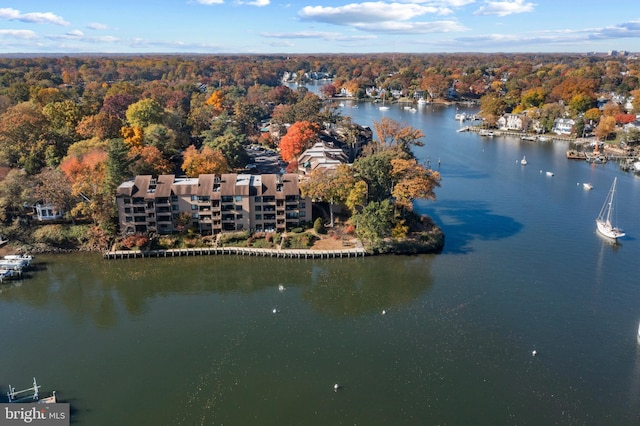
238	251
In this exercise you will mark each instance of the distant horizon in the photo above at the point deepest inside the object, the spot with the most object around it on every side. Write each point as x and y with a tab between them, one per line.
125	54
247	27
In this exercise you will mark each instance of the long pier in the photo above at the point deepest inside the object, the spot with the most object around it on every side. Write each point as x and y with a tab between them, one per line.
238	251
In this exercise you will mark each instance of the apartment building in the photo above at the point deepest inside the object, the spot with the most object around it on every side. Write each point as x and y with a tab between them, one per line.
213	203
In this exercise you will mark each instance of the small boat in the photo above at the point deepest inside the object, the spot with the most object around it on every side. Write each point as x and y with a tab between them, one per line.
587	185
30	395
604	223
461	116
549	173
524	160
528	138
486	133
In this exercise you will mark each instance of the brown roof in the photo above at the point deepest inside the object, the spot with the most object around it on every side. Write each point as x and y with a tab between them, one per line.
205	184
163	187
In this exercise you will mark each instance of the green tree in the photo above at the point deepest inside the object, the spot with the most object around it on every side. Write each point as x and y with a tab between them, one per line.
375	222
231	145
144	113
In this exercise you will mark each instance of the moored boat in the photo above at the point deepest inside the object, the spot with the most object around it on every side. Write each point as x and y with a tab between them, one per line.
587	185
524	160
604	222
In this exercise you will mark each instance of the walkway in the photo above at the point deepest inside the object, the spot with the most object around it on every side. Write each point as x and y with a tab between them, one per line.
244	251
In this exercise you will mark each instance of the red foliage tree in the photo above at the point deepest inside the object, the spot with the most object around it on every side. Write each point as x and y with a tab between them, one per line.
300	136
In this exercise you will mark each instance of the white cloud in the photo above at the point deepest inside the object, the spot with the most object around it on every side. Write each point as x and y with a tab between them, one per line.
504	8
258	3
97	26
33	17
359	13
23	34
413	27
209	2
75	33
318	35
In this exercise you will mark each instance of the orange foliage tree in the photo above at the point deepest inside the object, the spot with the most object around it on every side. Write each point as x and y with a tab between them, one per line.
412	181
148	160
206	161
300	136
87	174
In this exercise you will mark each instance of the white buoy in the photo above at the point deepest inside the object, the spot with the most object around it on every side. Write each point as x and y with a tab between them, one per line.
275	311
281	288
384	312
534	353
336	387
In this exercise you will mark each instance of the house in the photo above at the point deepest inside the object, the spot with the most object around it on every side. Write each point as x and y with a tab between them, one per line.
211	203
47	211
563	126
321	156
514	122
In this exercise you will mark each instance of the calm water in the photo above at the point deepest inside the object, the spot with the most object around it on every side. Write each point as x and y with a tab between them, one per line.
194	341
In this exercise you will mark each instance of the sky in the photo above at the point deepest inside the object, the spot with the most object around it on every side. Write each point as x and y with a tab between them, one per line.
318	26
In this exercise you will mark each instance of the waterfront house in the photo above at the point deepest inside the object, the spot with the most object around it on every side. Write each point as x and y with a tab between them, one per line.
47	211
511	122
211	203
563	126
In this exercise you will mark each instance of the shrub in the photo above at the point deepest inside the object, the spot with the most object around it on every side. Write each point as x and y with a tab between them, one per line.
318	226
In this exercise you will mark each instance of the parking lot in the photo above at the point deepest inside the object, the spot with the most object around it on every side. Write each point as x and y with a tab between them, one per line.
263	161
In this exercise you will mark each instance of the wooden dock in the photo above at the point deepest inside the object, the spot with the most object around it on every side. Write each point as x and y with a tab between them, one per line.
238	251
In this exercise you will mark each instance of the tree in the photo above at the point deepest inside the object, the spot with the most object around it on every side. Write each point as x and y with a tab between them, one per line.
533	97
117	105
375	222
52	186
206	161
333	186
412	181
300	136
491	108
15	193
392	133
605	128
148	160
144	113
23	130
231	144
101	126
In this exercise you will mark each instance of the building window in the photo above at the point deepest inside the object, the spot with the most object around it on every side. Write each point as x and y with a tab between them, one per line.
258	199
238	207
279	187
194	215
127	210
258	217
227	199
175	207
194	207
174	198
194	198
302	214
258	208
239	216
238	198
302	205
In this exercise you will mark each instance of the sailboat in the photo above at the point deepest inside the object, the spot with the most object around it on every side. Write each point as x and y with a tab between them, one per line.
524	160
603	222
383	107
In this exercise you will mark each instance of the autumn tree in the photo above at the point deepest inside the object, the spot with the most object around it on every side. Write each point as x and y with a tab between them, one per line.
492	107
231	145
412	181
52	186
144	112
300	136
205	161
23	130
148	160
393	133
331	186
605	128
101	126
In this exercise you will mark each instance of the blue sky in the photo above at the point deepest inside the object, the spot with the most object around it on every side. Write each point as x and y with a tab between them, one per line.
314	26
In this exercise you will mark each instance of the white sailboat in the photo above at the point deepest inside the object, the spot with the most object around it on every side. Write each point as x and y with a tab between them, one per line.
524	160
383	107
604	222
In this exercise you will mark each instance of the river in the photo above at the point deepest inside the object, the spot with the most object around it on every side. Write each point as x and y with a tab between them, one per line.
433	339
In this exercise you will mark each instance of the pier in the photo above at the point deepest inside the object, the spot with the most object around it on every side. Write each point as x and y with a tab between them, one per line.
238	251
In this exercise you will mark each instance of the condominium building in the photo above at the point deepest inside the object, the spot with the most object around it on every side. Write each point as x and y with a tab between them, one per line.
212	203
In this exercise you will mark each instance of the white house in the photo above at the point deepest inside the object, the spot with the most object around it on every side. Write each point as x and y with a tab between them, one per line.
511	122
563	126
321	156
